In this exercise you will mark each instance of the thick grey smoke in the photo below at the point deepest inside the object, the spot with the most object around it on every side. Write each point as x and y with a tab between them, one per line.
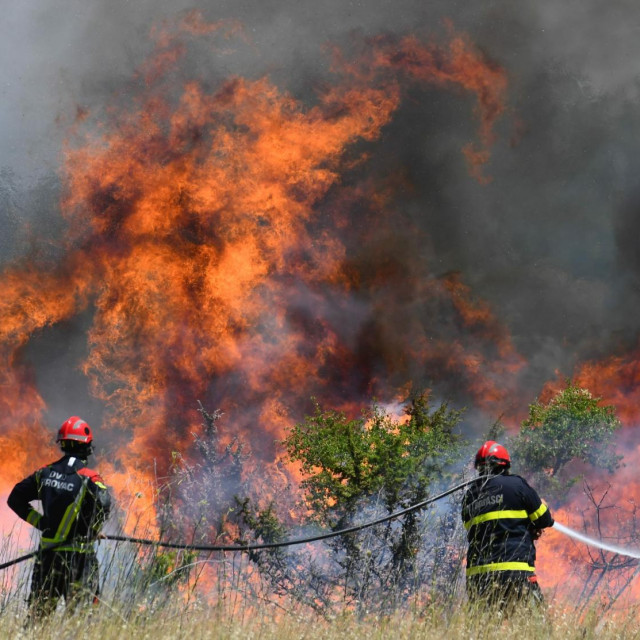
551	242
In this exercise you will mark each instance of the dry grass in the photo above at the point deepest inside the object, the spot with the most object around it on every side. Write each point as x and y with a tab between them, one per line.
198	622
135	608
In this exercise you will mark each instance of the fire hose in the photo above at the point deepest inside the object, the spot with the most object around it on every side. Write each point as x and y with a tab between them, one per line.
261	545
632	553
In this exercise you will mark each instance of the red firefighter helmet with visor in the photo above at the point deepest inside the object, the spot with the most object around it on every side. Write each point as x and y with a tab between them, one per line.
75	429
492	454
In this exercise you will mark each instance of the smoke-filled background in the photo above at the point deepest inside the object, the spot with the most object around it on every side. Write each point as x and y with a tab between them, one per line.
253	203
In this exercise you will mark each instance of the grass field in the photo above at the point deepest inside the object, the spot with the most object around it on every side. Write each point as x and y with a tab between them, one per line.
140	601
266	623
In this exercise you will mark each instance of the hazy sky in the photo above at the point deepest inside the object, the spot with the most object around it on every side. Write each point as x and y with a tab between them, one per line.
57	56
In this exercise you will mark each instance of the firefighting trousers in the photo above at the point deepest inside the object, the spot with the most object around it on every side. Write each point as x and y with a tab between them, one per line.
63	574
504	588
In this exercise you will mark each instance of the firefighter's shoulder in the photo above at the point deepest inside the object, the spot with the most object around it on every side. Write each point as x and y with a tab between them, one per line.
32	477
44	467
521	480
514	484
94	476
527	492
517	478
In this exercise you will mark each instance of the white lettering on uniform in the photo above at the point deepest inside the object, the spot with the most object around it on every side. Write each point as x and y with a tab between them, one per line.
56	484
481	503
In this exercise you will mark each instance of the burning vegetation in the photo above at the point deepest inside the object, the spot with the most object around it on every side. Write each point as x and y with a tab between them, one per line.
210	236
231	244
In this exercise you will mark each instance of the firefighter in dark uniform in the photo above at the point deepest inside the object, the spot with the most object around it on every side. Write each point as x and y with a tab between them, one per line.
75	505
503	517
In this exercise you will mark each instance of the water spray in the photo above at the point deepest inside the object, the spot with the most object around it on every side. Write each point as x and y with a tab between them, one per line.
592	542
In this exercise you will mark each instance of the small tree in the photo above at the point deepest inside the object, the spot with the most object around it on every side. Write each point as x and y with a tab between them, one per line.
354	469
571	426
346	460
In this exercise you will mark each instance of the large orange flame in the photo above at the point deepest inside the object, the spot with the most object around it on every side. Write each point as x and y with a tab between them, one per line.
194	238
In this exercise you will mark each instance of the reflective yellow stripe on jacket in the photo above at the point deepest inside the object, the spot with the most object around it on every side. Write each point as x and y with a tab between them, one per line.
34	517
500	566
64	528
77	547
538	512
496	515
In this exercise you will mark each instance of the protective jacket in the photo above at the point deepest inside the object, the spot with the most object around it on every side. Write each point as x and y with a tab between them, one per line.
502	515
75	504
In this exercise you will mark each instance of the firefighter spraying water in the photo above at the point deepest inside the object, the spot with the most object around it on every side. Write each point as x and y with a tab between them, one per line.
503	517
75	505
502	514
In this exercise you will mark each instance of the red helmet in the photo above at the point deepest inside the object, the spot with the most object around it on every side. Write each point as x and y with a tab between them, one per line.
493	454
75	428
